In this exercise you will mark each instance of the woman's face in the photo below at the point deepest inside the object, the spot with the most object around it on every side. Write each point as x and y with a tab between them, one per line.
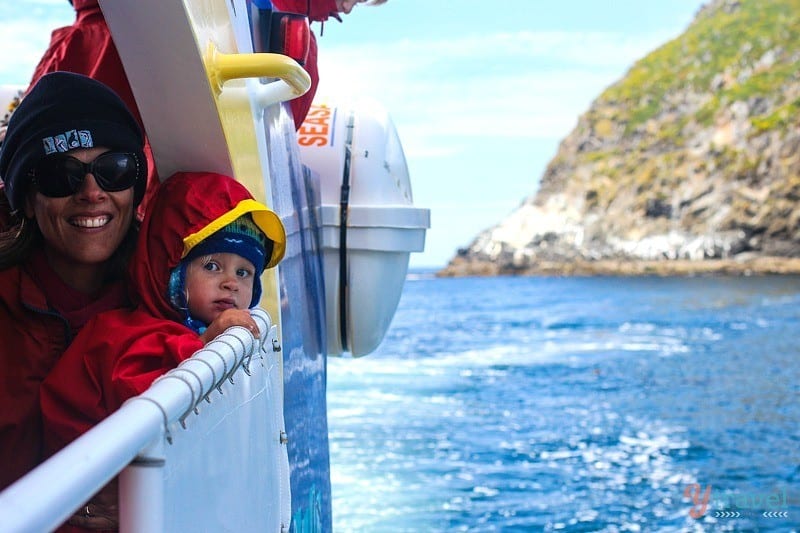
86	228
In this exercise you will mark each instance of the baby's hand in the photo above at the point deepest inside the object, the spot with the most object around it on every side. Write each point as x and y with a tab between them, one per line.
227	319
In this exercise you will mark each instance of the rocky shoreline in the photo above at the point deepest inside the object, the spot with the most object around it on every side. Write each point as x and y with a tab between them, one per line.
688	165
726	267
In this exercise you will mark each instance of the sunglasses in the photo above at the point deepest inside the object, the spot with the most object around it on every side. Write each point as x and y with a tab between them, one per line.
62	175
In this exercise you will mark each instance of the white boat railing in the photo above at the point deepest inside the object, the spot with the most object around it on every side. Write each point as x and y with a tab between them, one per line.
209	432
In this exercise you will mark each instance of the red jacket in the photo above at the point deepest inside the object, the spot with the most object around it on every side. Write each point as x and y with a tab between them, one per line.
86	47
33	338
118	354
317	11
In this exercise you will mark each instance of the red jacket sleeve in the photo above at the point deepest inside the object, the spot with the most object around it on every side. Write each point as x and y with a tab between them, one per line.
316	10
146	358
116	356
302	104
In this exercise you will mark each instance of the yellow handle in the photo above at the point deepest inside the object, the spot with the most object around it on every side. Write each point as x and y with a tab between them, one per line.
223	67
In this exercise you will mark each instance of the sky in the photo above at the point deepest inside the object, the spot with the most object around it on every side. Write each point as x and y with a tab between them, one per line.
481	92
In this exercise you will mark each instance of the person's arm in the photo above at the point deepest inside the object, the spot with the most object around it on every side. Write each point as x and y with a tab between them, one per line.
158	347
116	356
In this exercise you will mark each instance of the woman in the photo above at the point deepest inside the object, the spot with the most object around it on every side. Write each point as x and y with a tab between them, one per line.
74	172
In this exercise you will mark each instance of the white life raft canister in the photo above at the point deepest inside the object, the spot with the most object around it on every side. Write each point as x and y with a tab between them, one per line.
368	224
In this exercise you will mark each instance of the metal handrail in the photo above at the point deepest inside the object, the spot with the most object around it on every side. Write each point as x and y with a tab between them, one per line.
50	493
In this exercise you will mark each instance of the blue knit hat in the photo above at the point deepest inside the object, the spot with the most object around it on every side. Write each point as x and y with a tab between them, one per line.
241	237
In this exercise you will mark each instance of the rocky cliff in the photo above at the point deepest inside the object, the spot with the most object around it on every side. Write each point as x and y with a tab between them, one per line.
690	163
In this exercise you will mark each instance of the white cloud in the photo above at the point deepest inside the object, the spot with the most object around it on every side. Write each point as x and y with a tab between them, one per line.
523	85
483	53
25	29
418	148
22	43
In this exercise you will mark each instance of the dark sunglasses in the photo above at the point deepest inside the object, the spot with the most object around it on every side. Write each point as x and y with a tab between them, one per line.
61	175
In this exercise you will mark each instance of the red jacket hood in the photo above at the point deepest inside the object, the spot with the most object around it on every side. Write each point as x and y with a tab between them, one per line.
188	207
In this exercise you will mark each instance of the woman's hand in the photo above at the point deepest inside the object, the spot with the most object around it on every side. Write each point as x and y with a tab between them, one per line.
227	319
101	512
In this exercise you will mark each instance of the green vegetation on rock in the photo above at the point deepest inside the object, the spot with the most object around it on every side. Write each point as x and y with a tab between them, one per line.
694	155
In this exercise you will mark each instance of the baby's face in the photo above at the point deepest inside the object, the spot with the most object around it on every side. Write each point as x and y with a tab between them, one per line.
218	282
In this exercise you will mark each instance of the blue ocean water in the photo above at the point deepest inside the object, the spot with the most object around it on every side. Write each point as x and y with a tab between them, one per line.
574	404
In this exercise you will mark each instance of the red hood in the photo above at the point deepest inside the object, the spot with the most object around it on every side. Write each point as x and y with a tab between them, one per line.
185	204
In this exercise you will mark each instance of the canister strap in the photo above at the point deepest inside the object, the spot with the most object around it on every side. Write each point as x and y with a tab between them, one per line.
344	201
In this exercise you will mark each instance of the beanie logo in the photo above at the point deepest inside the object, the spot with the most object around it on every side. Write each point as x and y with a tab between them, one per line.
69	140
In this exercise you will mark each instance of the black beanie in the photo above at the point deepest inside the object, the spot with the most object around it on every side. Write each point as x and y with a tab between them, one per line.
62	112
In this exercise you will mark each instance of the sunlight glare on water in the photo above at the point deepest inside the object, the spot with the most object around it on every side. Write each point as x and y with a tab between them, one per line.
525	404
